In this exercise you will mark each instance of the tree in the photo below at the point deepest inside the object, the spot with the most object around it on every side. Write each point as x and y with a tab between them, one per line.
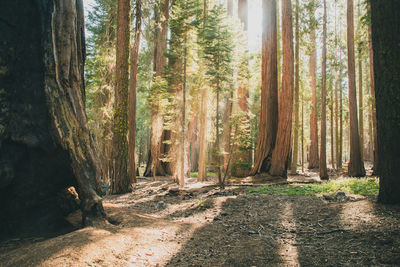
323	173
373	100
296	94
269	90
132	93
217	53
45	142
154	165
356	166
385	43
120	180
314	159
281	152
202	174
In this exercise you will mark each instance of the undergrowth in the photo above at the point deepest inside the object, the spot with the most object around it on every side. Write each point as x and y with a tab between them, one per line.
359	186
196	174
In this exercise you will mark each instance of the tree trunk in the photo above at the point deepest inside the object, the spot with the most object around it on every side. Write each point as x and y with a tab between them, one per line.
360	104
323	172
45	144
356	166
202	174
157	134
385	42
243	13
281	152
314	159
269	90
120	180
227	128
132	93
373	106
296	95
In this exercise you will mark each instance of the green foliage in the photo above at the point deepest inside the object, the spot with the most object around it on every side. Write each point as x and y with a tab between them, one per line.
196	174
217	43
359	186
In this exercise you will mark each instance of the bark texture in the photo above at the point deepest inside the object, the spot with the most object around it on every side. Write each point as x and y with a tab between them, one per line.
323	172
45	145
269	90
296	94
120	180
157	134
314	159
385	42
356	166
281	152
132	92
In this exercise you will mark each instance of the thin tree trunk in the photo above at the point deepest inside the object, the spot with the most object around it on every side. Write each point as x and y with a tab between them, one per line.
120	180
132	93
296	94
281	152
356	166
314	159
373	105
323	172
385	42
202	174
269	90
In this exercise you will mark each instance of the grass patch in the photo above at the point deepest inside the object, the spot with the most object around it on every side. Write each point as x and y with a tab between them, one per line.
359	186
196	174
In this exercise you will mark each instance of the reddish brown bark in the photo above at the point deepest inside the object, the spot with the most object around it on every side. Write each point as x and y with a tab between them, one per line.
269	90
120	180
132	93
154	165
356	166
281	152
323	172
314	158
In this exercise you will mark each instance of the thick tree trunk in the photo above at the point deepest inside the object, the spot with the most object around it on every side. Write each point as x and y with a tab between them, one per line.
314	159
45	144
323	172
296	94
132	92
269	90
120	180
356	166
281	152
157	134
385	42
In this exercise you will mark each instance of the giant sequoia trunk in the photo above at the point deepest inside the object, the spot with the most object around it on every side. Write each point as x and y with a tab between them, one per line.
385	42
269	90
45	145
280	155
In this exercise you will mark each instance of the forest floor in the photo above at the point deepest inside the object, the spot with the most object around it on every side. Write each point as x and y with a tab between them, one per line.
159	224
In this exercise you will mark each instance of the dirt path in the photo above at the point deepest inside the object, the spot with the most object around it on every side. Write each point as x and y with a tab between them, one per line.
203	226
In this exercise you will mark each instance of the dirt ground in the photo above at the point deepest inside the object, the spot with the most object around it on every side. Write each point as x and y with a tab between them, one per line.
160	225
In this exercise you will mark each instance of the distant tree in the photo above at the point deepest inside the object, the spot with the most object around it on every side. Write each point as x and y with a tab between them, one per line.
356	165
323	173
217	53
132	92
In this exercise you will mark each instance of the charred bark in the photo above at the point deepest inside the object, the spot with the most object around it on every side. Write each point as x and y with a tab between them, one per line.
45	144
